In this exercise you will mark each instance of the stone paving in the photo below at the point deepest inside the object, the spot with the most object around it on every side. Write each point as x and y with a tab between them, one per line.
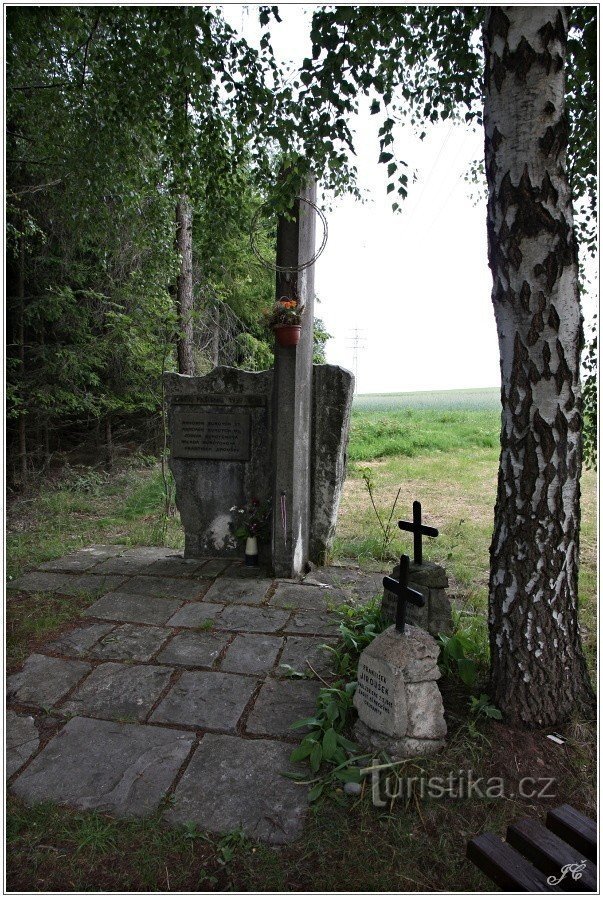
173	693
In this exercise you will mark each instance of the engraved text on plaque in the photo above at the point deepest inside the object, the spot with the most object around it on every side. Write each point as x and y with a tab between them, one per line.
198	433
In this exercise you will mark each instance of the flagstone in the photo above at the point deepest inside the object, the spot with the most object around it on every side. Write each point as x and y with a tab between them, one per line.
78	640
195	614
214	567
194	649
252	620
131	642
299	650
175	566
232	783
170	587
42	681
281	703
22	740
310	598
207	700
312	623
252	654
238	590
116	691
133	608
93	584
119	769
41	581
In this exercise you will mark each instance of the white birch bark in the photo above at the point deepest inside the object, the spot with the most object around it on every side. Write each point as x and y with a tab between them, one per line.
539	675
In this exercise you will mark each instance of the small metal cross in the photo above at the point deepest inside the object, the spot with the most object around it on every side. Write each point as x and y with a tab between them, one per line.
418	530
403	593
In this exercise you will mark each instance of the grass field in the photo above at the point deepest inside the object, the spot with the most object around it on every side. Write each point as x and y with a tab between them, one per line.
440	448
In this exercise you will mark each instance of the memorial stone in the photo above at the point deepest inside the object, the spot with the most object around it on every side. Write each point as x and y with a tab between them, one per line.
399	705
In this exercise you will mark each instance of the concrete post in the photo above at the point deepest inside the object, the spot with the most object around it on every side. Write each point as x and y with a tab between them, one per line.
292	399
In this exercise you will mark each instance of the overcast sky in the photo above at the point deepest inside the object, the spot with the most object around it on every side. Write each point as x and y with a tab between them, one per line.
414	286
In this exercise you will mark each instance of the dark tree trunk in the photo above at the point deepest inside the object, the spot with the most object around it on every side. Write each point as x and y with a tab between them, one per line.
108	442
184	287
215	340
21	343
538	671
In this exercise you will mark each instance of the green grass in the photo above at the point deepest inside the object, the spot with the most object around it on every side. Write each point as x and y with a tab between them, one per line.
411	424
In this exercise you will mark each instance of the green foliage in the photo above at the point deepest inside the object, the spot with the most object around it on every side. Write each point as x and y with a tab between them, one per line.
465	653
483	707
326	746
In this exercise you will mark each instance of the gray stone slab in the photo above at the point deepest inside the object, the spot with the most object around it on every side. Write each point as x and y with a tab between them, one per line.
119	769
214	567
93	584
82	559
281	703
313	623
41	581
252	620
207	700
309	598
234	783
175	566
131	642
43	681
248	572
354	582
168	587
195	614
127	567
252	654
133	608
194	649
238	591
302	649
148	554
78	641
22	740
118	691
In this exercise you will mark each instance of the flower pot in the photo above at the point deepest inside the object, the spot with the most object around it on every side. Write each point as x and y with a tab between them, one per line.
251	551
288	334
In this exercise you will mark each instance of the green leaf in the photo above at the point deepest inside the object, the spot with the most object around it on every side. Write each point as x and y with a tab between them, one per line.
302	751
306	722
329	744
316	757
349	775
315	792
467	671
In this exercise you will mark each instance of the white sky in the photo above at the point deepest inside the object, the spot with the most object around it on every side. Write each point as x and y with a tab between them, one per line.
416	285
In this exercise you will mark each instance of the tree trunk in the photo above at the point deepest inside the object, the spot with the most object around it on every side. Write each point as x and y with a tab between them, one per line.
21	343
215	339
184	287
108	442
538	671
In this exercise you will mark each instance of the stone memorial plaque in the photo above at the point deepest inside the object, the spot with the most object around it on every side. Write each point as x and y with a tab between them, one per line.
374	697
199	433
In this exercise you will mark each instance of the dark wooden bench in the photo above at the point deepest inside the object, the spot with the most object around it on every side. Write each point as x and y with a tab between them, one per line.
532	854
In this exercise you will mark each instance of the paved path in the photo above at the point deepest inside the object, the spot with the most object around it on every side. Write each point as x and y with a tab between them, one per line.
174	692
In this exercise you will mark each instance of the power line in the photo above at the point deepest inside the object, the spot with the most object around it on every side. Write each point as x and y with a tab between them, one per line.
357	343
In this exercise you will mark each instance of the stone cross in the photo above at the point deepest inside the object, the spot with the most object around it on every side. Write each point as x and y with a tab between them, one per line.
403	593
418	530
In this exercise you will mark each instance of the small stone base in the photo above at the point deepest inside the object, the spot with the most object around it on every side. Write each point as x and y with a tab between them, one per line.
431	581
396	748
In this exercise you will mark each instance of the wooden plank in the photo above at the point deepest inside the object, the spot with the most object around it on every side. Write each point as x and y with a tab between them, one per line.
574	828
505	866
550	854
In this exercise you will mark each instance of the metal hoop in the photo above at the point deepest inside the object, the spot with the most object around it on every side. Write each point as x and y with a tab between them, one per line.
289	268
